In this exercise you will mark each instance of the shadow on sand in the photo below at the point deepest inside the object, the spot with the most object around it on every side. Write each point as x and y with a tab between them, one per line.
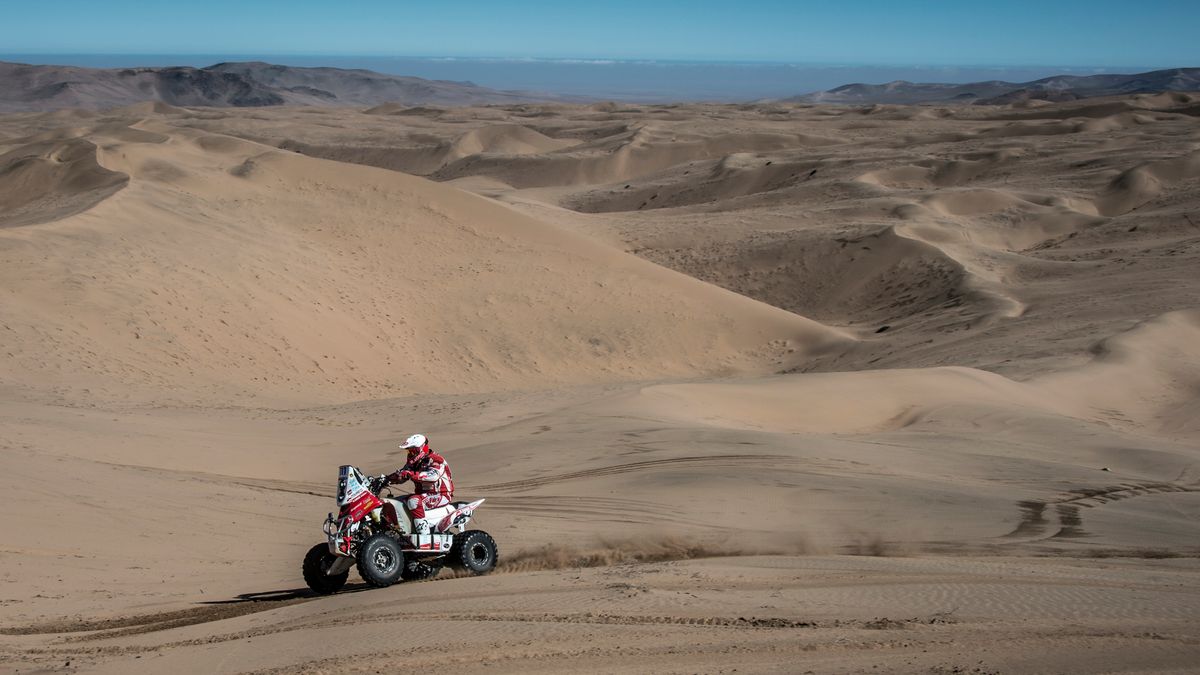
288	596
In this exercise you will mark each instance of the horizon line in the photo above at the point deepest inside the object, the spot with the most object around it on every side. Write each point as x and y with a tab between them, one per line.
592	60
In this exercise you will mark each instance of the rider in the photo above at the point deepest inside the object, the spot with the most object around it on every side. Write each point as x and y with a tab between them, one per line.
431	477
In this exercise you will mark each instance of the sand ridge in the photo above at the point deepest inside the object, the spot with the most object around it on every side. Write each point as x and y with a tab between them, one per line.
51	180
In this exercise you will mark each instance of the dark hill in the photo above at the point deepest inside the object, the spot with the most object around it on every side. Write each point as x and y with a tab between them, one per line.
1056	88
25	87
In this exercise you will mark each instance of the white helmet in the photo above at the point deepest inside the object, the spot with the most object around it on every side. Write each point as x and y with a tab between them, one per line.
414	441
417	446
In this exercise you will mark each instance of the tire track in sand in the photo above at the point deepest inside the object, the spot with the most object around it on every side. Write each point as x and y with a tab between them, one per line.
705	461
1067	508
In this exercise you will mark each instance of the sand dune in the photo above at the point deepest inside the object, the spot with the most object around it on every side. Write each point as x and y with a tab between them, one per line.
943	173
903	388
402	109
501	139
699	182
1144	378
1148	374
1139	185
866	277
48	181
640	151
511	139
567	309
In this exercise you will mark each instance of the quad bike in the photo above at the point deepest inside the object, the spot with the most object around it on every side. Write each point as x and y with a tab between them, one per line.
375	532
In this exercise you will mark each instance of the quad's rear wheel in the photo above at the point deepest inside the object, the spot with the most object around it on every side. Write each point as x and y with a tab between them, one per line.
380	561
415	570
474	551
316	565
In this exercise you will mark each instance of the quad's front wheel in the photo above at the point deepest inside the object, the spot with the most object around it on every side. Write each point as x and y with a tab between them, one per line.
473	551
316	567
380	561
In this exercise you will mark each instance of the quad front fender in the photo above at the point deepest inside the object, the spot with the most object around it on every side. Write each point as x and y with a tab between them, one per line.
340	566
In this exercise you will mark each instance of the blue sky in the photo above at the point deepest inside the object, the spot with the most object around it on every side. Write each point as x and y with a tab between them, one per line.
965	32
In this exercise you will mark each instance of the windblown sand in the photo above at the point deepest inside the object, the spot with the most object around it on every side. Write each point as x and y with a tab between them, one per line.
772	388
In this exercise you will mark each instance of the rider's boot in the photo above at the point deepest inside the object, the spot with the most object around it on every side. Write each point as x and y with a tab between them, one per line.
420	526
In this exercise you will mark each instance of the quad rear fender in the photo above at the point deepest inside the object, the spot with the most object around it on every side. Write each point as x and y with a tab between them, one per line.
459	516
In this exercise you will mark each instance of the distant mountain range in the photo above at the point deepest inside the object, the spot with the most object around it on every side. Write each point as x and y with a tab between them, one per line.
995	92
25	87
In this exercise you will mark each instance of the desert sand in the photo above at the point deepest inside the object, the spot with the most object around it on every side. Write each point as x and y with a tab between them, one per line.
765	388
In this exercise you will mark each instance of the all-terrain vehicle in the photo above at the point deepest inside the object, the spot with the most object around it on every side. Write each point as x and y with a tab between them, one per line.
374	532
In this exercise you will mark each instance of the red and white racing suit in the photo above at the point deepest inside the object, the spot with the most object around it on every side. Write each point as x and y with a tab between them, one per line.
434	484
